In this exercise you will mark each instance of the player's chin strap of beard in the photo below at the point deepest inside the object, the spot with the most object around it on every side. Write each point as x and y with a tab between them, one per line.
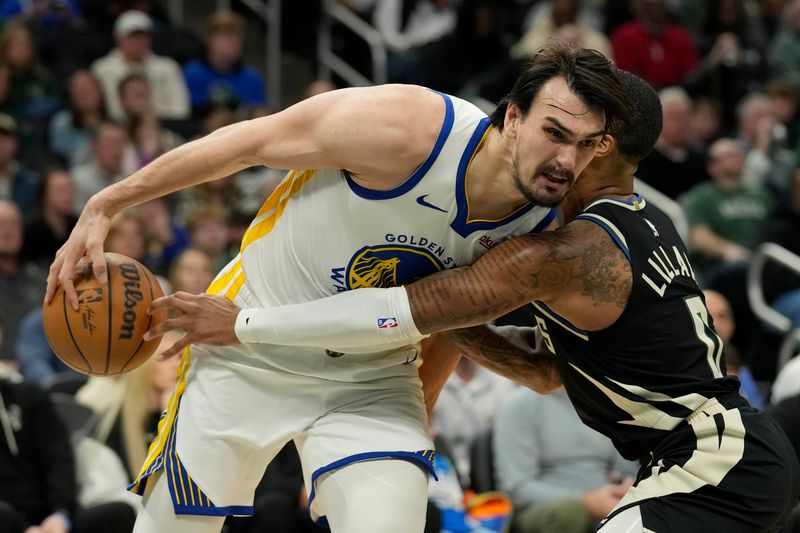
350	321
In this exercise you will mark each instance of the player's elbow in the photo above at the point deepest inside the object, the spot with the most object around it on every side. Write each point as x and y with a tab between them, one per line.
544	382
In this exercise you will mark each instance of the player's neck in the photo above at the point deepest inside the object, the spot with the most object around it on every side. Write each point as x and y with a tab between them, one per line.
491	190
614	179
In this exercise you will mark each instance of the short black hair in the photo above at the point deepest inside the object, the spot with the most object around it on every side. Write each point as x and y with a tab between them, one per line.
637	136
588	74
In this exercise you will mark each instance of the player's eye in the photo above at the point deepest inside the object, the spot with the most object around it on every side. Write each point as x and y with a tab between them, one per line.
554	133
589	143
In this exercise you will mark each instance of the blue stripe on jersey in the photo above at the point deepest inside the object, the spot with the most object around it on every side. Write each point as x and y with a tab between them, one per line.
447	126
423	457
461	224
551	215
611	231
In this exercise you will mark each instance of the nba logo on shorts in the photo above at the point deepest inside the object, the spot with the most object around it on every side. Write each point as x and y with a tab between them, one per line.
385	323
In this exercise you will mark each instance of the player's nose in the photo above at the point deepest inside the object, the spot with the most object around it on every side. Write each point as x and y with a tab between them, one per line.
567	157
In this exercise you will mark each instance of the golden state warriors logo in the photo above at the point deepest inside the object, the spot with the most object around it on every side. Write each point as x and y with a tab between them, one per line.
389	266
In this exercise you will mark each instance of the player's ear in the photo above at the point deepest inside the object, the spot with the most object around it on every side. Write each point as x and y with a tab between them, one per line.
512	120
605	146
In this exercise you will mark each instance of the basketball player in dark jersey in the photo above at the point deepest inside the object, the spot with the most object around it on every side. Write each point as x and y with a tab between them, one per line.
623	325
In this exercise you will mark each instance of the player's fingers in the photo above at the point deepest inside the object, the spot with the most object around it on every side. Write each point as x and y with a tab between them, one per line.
52	280
99	265
159	329
65	276
175	349
185	296
168	302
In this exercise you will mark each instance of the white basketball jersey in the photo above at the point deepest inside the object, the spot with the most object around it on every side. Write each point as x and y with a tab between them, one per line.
320	233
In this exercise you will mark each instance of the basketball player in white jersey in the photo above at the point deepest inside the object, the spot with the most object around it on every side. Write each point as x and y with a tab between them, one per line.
394	183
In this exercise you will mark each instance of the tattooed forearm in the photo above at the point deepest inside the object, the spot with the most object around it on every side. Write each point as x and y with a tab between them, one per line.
577	265
507	277
535	370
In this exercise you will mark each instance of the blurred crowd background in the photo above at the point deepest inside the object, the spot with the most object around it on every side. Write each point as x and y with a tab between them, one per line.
92	90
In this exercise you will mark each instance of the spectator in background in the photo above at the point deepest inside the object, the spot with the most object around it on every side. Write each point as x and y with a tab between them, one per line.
769	13
724	324
71	129
726	216
191	272
785	99
551	16
42	13
654	47
784	50
731	43
726	219
476	45
222	79
128	235
21	284
134	96
704	124
466	408
53	219
763	139
673	167
128	407
148	139
38	488
104	166
37	361
168	237
561	475
17	182
781	285
32	90
406	26
132	31
209	232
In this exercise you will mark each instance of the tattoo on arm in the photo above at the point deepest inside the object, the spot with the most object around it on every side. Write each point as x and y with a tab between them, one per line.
536	370
578	259
606	275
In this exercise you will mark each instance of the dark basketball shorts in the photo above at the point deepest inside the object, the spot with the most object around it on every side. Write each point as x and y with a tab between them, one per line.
728	468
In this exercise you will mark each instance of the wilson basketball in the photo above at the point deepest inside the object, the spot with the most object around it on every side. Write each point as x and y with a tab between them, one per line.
104	336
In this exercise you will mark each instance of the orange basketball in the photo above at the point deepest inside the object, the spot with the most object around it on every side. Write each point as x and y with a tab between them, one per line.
104	336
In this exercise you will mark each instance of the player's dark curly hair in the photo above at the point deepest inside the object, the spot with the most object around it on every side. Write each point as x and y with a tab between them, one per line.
636	137
588	73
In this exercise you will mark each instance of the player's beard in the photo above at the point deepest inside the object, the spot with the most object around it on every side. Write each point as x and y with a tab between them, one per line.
542	196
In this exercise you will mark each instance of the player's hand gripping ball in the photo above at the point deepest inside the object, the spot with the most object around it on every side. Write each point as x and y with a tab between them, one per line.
103	337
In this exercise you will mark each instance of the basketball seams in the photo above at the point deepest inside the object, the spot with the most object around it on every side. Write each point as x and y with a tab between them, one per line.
150	281
72	336
110	316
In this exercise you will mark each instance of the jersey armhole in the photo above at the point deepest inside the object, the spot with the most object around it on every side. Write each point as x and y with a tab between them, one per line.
610	228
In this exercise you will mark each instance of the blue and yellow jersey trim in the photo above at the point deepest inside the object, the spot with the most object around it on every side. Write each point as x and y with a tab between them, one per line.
230	280
187	498
274	206
463	224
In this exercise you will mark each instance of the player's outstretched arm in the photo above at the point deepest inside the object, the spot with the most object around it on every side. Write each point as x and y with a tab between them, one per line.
577	270
576	267
341	129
